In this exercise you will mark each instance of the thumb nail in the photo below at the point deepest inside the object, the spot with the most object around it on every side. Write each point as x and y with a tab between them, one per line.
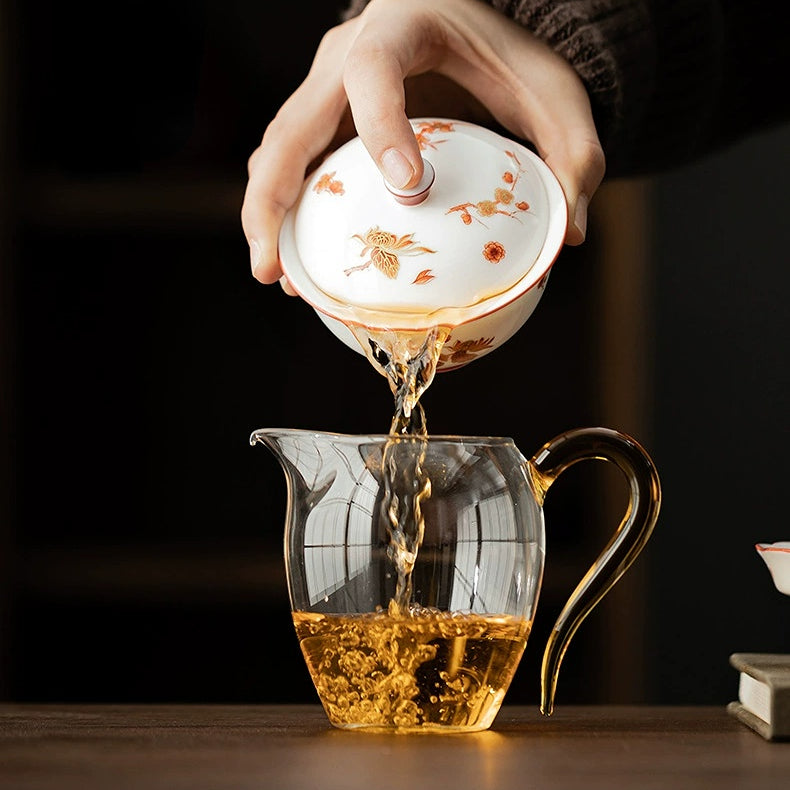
397	169
580	214
255	256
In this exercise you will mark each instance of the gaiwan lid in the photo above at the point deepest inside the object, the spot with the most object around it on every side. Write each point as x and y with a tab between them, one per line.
485	224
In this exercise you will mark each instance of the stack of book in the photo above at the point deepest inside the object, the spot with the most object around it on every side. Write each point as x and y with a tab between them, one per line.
763	693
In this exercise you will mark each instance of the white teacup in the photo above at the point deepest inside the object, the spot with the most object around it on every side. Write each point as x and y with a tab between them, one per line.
777	558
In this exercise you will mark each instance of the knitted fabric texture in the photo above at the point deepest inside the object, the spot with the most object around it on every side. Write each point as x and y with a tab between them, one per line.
668	80
597	38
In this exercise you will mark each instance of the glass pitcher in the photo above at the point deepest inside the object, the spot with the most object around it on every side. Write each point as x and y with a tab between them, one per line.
414	567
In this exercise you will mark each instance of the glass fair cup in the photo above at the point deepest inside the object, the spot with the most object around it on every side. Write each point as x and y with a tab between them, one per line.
415	564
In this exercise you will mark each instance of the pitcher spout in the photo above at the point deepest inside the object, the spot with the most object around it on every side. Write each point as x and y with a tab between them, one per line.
268	437
293	448
310	459
273	439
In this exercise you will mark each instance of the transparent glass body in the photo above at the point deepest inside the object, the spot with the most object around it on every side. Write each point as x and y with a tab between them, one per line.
414	567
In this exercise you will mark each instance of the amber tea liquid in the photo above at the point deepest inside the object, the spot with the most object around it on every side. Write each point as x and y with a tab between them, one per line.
415	670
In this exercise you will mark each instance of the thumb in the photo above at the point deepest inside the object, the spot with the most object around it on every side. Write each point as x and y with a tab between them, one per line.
580	169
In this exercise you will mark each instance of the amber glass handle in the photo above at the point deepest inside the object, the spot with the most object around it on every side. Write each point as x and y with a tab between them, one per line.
623	548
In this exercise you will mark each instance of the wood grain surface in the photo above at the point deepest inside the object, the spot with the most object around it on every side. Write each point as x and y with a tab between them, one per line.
217	746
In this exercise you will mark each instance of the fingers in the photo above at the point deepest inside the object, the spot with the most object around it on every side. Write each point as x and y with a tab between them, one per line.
383	54
533	92
375	89
518	79
563	130
364	65
365	70
299	133
579	166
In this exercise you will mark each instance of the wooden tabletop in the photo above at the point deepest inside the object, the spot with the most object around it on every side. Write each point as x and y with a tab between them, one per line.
282	747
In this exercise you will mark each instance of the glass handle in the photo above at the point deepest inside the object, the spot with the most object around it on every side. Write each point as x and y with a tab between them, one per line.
623	548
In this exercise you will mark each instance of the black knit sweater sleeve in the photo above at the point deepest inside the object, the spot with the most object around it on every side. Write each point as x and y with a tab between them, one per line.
668	80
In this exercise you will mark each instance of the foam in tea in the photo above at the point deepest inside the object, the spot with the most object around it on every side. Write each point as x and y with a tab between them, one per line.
419	669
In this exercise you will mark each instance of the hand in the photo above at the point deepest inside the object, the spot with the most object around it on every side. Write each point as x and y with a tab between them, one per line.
399	58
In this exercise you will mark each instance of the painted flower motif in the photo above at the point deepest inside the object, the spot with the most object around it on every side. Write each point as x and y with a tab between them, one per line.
426	130
384	249
487	208
463	351
494	252
503	198
327	183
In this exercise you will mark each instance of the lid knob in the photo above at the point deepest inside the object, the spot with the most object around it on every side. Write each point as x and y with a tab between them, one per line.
415	195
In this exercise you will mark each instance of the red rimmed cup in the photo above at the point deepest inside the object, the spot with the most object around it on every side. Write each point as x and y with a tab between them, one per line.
777	558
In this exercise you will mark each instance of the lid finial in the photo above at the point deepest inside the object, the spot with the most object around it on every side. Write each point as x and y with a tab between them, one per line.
417	194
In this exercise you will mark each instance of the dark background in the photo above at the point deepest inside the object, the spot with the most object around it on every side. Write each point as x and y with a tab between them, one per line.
141	536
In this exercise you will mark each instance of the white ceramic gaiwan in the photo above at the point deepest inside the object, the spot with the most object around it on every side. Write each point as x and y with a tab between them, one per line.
470	247
777	558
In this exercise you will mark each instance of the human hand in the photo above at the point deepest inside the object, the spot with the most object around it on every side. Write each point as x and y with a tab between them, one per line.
400	58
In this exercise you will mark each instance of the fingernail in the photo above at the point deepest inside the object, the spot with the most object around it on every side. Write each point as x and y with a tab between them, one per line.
255	256
580	214
397	169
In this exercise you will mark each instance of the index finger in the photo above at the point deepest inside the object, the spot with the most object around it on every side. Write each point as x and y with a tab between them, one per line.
378	62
